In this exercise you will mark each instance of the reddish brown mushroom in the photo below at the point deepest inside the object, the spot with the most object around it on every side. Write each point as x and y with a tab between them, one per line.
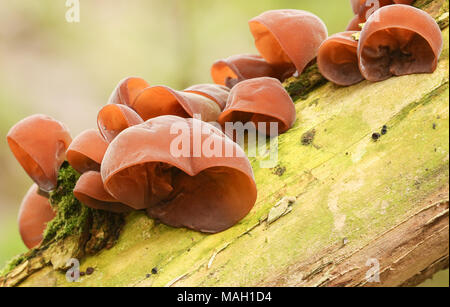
182	187
114	118
90	191
399	40
288	36
34	214
215	92
337	59
230	71
86	151
127	90
162	100
364	8
261	100
39	144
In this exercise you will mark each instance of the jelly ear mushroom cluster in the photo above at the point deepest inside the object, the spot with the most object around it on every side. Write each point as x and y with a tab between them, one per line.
39	143
34	214
114	118
337	59
208	194
399	40
288	37
260	100
127	90
364	8
216	92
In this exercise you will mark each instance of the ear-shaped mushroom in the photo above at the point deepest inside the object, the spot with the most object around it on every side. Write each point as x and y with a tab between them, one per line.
182	187
364	8
216	92
399	40
161	100
86	151
288	36
337	59
39	144
114	118
127	90
237	68
34	214
90	191
261	100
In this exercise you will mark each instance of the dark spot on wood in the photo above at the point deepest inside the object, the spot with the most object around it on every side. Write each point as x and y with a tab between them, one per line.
384	130
148	275
155	271
376	136
434	126
82	274
90	271
308	137
279	171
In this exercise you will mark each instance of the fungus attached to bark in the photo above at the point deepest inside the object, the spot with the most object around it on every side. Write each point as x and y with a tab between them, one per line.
288	36
39	144
237	68
114	118
216	92
127	90
34	214
90	191
161	100
181	187
399	40
86	151
337	60
261	100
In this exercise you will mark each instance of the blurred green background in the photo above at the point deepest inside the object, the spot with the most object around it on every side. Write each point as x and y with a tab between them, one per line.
68	70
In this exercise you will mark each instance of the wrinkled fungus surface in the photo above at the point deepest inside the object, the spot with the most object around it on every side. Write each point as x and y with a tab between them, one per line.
337	59
161	100
127	90
261	100
399	40
86	151
114	118
34	214
39	144
288	36
208	193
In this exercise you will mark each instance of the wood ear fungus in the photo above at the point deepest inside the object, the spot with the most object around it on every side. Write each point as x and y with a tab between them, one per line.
399	40
182	189
39	144
288	36
337	59
86	151
161	100
114	118
127	91
34	214
237	68
90	191
216	92
261	100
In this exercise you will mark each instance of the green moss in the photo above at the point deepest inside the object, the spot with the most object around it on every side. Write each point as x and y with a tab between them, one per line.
300	87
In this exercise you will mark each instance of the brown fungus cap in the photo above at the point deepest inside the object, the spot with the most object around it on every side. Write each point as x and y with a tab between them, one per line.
399	40
216	92
127	90
114	118
143	169
39	144
355	24
90	191
161	100
86	151
261	100
237	68
337	59
288	36
34	214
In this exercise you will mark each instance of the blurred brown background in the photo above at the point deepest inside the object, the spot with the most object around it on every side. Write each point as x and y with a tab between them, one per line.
68	70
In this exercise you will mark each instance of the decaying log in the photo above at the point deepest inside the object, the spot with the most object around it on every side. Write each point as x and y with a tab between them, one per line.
339	209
